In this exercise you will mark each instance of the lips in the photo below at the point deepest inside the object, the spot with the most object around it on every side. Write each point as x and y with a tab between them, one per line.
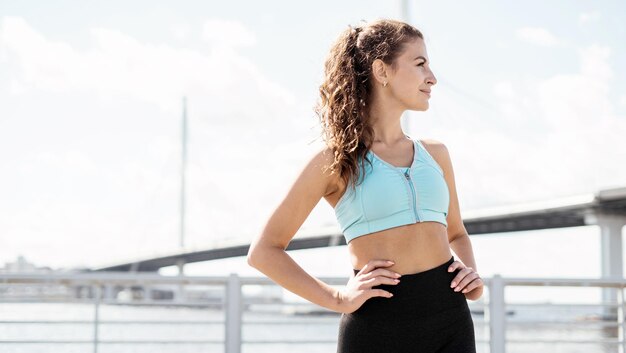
426	92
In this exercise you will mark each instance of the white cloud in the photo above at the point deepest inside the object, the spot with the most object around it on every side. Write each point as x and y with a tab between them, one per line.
125	190
570	129
503	89
580	101
228	33
180	31
548	137
509	100
564	101
120	65
587	17
537	35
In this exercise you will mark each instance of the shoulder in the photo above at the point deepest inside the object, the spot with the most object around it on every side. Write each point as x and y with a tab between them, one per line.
318	166
438	151
322	158
434	147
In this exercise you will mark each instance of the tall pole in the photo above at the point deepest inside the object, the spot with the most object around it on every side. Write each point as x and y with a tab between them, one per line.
183	166
404	16
404	10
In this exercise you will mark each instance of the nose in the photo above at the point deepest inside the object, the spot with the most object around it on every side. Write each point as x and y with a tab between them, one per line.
431	79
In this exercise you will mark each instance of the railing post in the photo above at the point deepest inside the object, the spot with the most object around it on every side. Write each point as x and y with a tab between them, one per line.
233	314
620	319
497	314
96	319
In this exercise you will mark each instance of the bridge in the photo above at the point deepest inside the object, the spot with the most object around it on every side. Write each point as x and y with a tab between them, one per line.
605	208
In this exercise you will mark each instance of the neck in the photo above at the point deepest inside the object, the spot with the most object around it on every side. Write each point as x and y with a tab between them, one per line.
385	121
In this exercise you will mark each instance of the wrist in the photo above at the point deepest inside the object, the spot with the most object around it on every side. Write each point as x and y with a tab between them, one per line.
337	301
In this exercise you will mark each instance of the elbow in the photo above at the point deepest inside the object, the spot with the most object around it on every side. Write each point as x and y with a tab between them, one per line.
249	257
260	253
249	260
254	252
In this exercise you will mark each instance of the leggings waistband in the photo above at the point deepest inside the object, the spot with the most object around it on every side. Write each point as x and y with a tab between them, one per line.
417	294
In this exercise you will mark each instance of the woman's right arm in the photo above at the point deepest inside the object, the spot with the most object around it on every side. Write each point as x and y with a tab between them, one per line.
267	251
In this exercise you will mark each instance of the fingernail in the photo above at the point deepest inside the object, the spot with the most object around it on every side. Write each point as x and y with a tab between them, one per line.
391	262
453	284
457	289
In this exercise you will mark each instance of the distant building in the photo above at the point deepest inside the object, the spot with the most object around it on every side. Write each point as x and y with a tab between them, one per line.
21	265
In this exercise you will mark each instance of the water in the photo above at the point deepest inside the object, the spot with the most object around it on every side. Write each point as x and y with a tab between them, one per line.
258	326
110	332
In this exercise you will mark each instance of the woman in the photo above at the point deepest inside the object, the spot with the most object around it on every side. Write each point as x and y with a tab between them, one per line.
394	198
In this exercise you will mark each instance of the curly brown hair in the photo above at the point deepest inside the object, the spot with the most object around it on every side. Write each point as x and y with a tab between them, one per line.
345	93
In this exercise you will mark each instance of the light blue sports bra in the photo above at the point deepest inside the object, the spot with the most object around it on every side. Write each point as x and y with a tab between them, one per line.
391	196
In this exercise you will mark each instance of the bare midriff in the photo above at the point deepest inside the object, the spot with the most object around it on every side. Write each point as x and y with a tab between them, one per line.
413	248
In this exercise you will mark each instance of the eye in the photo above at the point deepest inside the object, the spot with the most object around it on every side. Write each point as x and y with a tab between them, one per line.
421	64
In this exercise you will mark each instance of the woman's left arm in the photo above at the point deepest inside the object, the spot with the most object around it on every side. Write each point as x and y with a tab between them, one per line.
467	280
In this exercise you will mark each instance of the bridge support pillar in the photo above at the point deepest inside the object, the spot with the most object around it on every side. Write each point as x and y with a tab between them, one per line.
611	253
180	293
108	292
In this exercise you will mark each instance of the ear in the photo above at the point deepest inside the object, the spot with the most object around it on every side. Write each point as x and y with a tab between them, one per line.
380	71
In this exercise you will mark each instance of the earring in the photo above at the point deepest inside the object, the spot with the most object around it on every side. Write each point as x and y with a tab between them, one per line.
385	84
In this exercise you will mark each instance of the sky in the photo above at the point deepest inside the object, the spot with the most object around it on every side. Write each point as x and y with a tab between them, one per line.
530	101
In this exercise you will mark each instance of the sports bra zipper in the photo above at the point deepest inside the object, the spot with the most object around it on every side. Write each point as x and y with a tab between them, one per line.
414	201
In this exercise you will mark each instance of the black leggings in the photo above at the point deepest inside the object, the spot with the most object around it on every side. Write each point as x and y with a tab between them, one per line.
424	315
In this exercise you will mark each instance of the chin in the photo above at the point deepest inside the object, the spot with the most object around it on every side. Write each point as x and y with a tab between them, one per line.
421	107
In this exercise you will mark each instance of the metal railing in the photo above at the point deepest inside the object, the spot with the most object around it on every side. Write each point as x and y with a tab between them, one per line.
104	288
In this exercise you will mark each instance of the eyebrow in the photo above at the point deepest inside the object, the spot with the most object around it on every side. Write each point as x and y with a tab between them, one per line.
420	57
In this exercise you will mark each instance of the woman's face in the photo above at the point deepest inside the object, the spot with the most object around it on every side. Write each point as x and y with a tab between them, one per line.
410	84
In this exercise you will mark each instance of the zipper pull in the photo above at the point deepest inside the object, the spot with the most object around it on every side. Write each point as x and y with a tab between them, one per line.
406	174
